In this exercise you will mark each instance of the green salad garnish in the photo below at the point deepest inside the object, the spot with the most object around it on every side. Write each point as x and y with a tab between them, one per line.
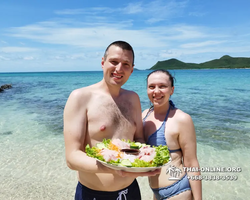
118	152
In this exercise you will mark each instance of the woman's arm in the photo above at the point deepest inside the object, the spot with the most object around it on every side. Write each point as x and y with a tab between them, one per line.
187	140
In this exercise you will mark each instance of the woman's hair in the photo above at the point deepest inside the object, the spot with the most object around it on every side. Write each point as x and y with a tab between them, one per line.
171	78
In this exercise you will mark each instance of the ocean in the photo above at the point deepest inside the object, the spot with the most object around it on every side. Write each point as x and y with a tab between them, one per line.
32	162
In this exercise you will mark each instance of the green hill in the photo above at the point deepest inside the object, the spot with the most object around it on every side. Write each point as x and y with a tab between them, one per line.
224	62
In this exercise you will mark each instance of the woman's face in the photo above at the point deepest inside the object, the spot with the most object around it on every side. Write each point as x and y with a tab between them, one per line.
159	88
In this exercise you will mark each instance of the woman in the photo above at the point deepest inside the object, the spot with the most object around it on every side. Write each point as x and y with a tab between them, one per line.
164	124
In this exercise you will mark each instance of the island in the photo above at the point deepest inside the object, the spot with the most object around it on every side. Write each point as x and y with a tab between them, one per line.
226	62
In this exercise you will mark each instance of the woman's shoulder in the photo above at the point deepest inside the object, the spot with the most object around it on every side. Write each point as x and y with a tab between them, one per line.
182	116
144	113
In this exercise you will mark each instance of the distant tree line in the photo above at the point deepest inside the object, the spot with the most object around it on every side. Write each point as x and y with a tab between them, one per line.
224	62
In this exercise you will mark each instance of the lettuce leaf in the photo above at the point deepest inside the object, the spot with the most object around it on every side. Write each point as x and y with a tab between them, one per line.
106	142
161	158
93	152
141	163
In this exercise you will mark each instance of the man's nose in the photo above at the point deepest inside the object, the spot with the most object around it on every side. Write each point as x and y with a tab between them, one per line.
119	67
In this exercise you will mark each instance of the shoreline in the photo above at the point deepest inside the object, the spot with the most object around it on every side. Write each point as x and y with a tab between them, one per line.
137	70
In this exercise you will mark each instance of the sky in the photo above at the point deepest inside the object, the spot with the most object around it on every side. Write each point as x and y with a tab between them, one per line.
60	35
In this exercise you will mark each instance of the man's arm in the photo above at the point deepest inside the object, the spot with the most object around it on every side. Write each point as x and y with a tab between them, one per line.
75	123
139	137
187	139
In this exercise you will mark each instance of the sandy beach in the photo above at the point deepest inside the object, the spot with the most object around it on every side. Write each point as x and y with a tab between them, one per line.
41	172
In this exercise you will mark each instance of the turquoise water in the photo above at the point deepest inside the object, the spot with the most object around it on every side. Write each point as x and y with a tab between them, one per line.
218	101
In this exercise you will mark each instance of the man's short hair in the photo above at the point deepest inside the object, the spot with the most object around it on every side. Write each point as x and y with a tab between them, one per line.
123	45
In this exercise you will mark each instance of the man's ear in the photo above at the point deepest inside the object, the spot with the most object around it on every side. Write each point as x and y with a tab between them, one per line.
102	63
132	69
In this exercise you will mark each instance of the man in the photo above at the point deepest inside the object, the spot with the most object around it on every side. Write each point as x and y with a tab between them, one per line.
104	110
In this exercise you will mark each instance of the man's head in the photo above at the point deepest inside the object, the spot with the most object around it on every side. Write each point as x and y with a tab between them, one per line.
118	63
123	45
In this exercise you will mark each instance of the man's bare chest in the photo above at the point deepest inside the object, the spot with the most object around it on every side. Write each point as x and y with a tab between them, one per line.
111	117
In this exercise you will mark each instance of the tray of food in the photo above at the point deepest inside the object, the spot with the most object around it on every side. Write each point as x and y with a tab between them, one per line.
129	156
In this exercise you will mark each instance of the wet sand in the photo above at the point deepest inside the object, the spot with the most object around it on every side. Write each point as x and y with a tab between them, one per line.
38	171
32	166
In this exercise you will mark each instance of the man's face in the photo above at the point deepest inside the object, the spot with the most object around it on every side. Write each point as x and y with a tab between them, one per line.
118	66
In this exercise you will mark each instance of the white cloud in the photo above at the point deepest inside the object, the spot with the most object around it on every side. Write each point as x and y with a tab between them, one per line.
154	11
96	36
166	54
197	14
134	8
87	43
99	35
164	10
3	58
201	44
77	38
16	49
90	11
184	32
70	12
28	58
3	42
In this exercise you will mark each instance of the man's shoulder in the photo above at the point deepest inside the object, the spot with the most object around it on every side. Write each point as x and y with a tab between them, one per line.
82	93
130	92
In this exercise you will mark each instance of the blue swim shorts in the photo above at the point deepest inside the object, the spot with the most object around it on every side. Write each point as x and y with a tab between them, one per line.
132	192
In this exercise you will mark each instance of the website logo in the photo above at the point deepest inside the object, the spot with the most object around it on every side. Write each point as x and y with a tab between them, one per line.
174	172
